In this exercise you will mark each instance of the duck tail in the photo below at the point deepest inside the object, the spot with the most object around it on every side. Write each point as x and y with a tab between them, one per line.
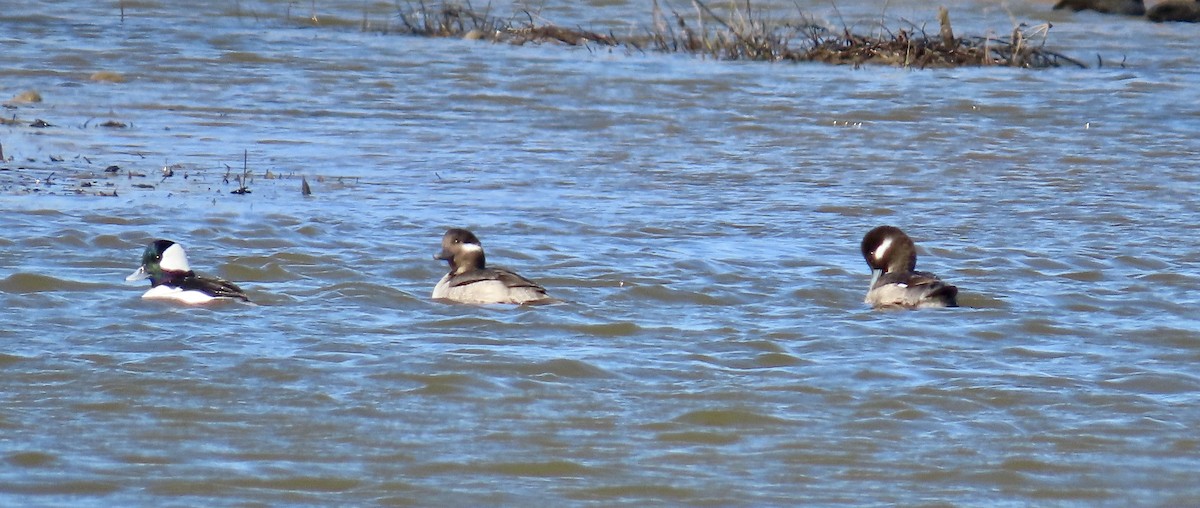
946	294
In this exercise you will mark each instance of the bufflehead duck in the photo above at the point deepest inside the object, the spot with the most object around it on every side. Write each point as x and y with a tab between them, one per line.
470	279
171	278
892	257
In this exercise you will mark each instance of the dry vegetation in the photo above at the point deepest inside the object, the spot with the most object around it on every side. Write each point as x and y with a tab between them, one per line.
739	33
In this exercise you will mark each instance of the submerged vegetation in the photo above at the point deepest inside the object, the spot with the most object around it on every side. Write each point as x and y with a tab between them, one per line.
739	33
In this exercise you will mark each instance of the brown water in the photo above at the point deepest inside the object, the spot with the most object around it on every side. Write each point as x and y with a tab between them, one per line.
700	218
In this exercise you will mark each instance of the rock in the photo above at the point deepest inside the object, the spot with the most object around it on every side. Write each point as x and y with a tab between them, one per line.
1175	10
1126	7
27	97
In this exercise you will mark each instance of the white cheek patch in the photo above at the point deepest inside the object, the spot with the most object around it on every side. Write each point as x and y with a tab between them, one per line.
472	247
882	250
174	259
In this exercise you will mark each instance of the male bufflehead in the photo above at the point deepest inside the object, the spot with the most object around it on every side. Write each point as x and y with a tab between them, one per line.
471	281
892	257
171	278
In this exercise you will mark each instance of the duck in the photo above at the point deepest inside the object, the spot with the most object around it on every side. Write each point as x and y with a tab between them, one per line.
895	283
165	263
470	280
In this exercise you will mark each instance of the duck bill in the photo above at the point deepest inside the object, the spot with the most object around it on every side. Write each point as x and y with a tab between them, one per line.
876	273
139	274
443	255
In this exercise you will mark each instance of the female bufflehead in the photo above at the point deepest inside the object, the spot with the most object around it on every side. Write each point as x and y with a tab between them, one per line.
471	281
892	257
171	278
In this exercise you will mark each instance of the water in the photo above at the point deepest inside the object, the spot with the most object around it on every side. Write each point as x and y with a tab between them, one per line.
700	218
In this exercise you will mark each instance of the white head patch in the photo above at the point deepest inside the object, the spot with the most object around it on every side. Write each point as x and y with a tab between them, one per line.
882	249
471	247
174	259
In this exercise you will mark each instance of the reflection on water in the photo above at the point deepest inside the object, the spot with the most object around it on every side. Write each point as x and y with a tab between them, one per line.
700	219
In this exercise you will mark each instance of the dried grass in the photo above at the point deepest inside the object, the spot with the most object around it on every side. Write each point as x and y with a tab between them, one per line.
744	34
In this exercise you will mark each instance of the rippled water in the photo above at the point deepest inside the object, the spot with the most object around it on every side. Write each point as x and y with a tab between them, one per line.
700	218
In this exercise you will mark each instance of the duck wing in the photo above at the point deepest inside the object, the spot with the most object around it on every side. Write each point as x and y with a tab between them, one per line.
508	277
912	290
215	286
